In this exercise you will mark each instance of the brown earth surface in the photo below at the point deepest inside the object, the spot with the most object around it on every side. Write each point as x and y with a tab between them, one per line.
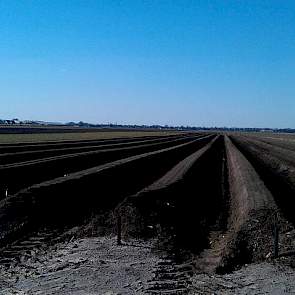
197	214
98	266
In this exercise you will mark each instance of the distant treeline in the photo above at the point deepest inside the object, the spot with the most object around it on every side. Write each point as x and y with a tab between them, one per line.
83	125
188	128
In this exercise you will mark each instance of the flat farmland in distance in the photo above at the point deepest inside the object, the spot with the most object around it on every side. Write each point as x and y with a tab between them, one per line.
284	140
82	135
271	135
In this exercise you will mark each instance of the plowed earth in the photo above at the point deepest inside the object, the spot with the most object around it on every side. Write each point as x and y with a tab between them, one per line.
193	214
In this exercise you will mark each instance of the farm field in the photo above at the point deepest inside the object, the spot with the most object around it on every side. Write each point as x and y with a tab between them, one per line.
189	208
19	135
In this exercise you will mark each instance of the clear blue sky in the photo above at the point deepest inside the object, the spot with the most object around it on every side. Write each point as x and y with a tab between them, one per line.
204	63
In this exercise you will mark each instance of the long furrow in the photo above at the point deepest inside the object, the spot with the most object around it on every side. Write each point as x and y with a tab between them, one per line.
279	141
276	166
252	216
173	188
172	209
39	146
53	151
69	199
20	175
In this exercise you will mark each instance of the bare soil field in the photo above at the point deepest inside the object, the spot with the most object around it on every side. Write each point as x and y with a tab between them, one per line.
189	213
278	139
77	135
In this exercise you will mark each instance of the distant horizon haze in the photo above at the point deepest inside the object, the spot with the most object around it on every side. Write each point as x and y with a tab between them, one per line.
196	63
134	124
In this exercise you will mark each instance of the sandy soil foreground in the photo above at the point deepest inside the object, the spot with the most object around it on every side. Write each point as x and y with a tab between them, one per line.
98	266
